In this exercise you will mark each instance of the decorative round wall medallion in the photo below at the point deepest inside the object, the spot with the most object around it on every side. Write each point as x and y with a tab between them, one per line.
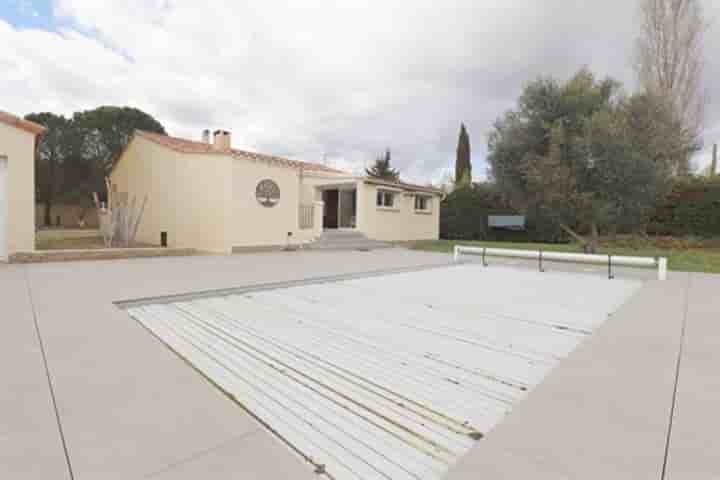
267	193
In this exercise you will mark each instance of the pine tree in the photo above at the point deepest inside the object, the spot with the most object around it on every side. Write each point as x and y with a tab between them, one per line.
382	168
463	167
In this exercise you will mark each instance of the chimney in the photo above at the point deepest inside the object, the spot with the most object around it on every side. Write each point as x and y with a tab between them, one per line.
222	140
206	136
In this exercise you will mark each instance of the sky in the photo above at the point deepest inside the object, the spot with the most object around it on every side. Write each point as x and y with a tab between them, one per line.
334	81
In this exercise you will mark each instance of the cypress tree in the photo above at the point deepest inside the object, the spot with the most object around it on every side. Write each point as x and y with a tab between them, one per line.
463	167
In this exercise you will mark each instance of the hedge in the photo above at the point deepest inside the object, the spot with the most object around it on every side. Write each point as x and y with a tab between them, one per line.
693	208
464	216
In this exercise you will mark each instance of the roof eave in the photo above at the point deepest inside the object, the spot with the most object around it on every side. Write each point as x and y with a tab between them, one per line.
403	187
22	124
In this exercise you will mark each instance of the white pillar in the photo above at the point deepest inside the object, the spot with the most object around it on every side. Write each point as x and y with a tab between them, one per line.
360	219
318	208
662	269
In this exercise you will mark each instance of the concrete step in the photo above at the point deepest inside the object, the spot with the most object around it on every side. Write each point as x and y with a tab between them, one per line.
345	240
348	246
342	235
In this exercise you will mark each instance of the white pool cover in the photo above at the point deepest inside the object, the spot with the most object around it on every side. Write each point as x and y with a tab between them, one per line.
388	377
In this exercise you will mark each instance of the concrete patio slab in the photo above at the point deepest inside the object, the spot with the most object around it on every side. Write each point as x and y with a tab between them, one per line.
255	456
30	444
694	444
610	398
130	408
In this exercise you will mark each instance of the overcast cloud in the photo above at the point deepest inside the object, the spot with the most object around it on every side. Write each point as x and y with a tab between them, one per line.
342	79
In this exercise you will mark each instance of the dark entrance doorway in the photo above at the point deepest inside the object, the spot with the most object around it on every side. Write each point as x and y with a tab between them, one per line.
330	216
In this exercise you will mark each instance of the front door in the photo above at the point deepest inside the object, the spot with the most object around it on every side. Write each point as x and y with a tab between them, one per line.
330	215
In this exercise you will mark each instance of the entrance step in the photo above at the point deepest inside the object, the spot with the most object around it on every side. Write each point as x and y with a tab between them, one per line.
345	240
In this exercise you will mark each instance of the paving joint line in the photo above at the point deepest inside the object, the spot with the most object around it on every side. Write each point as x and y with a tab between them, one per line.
48	376
677	378
202	453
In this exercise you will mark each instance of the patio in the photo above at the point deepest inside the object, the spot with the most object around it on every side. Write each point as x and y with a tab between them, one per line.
123	406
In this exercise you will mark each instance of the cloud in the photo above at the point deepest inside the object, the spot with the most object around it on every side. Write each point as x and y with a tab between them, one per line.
319	79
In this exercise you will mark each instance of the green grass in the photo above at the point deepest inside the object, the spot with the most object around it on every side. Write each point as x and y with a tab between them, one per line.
70	239
686	256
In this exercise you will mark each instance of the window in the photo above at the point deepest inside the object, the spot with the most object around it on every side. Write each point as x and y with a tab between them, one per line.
385	199
422	203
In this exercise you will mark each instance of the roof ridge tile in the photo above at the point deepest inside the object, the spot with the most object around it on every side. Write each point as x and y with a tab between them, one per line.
192	146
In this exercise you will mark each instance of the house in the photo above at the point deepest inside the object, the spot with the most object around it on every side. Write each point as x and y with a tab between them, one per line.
18	140
207	195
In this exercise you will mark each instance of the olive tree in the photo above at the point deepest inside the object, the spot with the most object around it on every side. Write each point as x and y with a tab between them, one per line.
570	153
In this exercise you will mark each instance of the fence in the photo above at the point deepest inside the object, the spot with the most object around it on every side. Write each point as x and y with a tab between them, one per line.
306	215
67	216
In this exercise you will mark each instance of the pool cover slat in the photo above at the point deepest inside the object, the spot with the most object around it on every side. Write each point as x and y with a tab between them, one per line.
388	377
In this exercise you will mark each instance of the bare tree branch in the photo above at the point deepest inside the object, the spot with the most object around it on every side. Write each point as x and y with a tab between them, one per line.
670	59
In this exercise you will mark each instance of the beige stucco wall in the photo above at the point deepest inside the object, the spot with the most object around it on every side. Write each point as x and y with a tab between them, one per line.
254	225
205	195
402	222
208	202
19	147
188	195
311	182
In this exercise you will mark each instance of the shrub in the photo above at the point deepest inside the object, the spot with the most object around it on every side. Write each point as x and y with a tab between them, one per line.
464	216
692	208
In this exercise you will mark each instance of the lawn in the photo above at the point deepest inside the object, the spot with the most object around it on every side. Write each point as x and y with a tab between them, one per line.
71	239
687	255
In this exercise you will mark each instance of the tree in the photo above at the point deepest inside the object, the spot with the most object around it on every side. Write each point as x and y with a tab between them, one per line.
107	130
657	134
382	169
76	154
569	155
54	150
463	165
670	61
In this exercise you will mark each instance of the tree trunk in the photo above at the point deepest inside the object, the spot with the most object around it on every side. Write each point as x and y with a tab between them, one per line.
50	191
594	238
613	232
46	216
574	235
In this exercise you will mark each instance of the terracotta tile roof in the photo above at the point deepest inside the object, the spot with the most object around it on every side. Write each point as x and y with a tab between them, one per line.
191	146
403	185
22	124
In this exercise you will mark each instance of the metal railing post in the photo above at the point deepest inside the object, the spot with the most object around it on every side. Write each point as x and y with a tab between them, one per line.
661	264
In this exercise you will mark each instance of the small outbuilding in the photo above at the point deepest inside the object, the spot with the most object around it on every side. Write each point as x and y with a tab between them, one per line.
209	196
18	141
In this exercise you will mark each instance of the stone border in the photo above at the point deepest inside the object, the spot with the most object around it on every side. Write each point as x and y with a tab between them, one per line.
258	287
46	256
